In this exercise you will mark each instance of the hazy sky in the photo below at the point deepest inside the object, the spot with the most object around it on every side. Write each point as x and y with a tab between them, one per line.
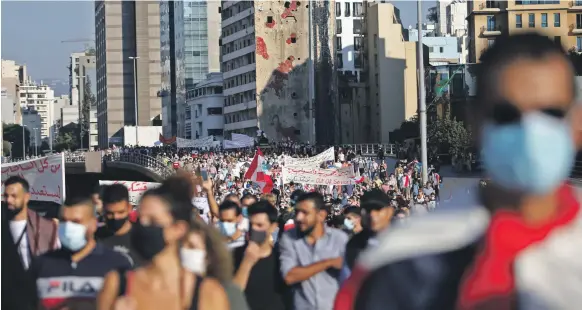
32	32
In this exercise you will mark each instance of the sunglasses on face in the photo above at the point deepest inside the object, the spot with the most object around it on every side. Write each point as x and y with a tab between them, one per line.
504	113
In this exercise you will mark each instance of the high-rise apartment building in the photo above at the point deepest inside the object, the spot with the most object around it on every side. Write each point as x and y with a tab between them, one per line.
125	29
559	20
40	98
74	77
392	76
190	49
13	75
279	69
452	16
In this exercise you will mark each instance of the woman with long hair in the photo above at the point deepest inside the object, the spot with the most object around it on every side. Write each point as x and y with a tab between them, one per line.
162	282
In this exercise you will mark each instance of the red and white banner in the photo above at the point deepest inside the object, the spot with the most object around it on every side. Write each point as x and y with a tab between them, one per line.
45	175
136	188
256	174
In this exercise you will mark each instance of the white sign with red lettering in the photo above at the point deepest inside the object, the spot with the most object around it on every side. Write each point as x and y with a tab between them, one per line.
316	176
45	175
136	188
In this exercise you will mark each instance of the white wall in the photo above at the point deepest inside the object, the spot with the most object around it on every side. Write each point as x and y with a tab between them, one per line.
147	135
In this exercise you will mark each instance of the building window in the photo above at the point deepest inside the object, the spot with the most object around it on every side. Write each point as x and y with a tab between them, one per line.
544	20
338	26
528	2
214	111
518	23
358	9
340	60
358	43
347	10
578	44
556	19
442	49
490	23
338	43
338	9
578	21
358	26
490	43
532	20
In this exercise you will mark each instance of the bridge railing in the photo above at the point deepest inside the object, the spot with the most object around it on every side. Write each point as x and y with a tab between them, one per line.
134	158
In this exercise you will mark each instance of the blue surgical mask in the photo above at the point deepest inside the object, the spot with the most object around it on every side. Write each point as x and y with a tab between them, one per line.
349	224
226	228
245	212
72	236
533	156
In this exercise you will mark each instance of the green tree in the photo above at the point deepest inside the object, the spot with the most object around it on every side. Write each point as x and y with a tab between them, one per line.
13	133
447	135
89	100
432	15
6	148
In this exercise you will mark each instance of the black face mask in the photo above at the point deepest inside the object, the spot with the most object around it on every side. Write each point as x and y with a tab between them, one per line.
115	224
148	241
258	237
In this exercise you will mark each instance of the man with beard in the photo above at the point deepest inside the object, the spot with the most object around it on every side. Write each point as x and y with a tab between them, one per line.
312	255
116	232
32	234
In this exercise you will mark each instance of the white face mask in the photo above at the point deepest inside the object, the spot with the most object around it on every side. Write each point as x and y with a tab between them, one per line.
194	260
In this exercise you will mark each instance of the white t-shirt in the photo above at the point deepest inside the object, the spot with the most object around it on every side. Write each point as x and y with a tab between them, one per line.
17	229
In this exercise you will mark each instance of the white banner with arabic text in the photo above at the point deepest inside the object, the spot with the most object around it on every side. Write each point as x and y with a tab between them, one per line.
136	188
317	176
45	175
202	142
310	162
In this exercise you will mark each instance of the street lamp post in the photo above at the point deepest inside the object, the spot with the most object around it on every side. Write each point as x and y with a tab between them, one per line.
11	145
35	142
135	93
23	142
422	99
81	91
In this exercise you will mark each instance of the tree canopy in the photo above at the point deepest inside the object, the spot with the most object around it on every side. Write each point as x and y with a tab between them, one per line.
432	15
13	133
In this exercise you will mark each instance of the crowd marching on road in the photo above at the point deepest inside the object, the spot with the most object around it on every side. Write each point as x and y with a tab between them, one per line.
299	227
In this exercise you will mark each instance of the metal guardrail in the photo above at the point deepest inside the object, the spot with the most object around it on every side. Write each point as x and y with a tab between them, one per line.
133	158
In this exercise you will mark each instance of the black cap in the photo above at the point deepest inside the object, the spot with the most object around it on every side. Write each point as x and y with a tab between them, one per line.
375	199
353	210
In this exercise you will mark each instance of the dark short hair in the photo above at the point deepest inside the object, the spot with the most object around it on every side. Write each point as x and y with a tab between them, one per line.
314	197
506	50
353	210
230	205
263	206
79	201
114	193
231	195
248	196
180	210
17	180
98	190
375	199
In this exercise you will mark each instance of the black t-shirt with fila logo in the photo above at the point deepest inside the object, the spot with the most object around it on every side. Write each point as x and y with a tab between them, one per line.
64	284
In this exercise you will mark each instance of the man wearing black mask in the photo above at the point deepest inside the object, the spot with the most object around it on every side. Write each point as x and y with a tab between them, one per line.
116	232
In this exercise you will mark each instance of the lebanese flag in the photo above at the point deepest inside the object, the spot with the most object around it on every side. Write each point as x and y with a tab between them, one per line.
256	174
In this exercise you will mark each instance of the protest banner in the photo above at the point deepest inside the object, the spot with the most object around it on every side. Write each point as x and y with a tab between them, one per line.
310	162
45	175
316	176
198	143
136	188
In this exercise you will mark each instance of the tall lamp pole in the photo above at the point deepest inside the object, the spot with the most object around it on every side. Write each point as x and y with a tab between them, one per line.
422	99
35	142
135	93
81	92
23	142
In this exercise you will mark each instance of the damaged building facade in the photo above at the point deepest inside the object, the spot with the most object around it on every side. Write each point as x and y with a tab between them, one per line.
279	71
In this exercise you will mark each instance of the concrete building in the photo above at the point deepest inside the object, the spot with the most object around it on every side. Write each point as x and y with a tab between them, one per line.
32	120
270	81
190	48
73	67
559	20
392	74
126	29
58	104
8	103
13	75
93	128
38	97
442	50
205	103
69	115
452	15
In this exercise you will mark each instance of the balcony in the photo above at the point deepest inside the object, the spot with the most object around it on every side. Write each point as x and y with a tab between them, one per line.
487	7
491	30
576	28
575	5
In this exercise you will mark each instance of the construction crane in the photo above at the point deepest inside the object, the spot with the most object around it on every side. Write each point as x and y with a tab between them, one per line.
89	43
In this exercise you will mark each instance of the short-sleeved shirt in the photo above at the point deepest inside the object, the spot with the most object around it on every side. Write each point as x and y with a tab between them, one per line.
60	281
318	292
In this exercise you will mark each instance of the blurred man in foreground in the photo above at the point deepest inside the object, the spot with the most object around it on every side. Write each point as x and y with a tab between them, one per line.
526	255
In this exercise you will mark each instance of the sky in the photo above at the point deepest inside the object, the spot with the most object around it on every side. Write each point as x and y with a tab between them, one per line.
32	32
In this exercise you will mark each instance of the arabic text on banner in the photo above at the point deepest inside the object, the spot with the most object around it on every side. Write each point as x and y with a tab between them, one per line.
310	162
136	189
317	176
45	175
202	142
